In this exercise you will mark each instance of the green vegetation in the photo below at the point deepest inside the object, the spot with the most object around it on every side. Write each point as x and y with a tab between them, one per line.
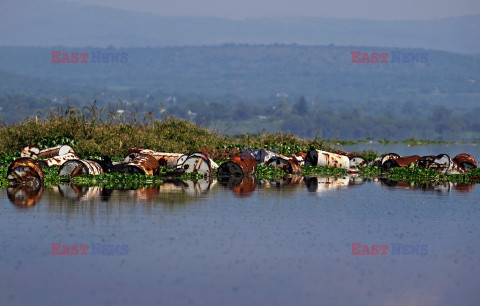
430	176
99	131
417	142
96	131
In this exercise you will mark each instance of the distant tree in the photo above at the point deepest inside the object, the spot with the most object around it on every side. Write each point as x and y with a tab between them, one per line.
301	107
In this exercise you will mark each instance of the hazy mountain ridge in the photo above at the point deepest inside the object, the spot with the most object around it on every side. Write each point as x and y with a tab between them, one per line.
48	23
256	71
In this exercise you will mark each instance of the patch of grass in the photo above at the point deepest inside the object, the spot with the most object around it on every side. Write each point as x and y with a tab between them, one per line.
94	131
416	142
430	176
313	170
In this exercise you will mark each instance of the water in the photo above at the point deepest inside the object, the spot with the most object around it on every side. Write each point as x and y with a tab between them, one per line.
278	242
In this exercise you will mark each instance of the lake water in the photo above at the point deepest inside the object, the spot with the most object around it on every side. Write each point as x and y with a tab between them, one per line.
279	242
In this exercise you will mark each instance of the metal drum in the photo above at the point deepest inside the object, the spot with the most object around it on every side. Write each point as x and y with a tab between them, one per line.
262	156
59	160
442	163
78	167
238	165
323	158
142	164
425	162
198	164
399	162
388	156
465	161
55	151
25	171
30	151
289	165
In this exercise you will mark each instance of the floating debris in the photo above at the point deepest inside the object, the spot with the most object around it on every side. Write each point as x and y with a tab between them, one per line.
142	164
323	158
407	161
78	167
25	171
238	165
287	164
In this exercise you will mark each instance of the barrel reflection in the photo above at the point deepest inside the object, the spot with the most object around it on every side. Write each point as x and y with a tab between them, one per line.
24	196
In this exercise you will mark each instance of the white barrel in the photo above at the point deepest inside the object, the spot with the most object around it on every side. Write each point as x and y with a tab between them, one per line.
322	158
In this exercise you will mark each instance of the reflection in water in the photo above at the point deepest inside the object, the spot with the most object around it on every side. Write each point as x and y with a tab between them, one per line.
24	196
442	187
324	183
172	191
178	191
199	187
79	193
242	186
285	181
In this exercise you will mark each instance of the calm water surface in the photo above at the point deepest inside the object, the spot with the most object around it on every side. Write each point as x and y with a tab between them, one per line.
277	242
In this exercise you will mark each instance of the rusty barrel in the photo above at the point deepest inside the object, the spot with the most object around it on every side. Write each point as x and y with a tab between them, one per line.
347	154
377	162
23	196
405	161
388	156
240	164
322	158
358	161
355	160
289	165
182	159
58	160
198	163
55	151
142	164
78	167
465	161
425	161
131	154
442	163
299	157
25	171
169	160
262	156
30	151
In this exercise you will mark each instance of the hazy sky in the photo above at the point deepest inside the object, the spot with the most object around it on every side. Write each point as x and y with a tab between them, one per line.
240	9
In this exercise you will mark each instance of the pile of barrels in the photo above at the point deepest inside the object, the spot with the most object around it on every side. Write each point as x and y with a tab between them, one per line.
27	170
460	164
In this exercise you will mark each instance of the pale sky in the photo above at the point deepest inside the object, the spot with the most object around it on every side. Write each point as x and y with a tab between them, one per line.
241	9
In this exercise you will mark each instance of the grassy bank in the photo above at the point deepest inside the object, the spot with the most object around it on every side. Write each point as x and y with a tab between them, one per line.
95	131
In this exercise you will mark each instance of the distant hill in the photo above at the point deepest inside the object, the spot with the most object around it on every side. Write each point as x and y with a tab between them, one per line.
50	23
252	71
